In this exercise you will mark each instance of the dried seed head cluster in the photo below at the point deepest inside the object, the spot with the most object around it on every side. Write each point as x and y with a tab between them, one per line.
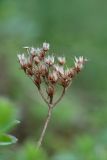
43	68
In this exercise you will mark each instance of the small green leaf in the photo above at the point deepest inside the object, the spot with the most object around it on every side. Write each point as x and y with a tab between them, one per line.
13	124
8	114
6	139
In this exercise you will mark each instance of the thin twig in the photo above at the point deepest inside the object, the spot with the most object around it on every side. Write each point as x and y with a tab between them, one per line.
43	96
45	127
48	116
59	99
40	91
63	92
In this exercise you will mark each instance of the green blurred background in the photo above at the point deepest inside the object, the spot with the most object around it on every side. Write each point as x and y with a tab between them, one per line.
78	128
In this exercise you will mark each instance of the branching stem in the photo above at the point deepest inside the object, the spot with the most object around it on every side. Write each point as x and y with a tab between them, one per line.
59	99
41	93
45	127
50	108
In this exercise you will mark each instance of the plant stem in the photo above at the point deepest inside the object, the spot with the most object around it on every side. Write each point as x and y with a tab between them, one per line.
50	107
43	96
45	127
59	99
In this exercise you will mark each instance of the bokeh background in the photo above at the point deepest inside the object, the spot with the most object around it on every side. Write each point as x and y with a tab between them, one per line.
78	128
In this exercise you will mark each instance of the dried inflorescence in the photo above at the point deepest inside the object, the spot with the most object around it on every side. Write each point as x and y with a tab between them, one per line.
43	68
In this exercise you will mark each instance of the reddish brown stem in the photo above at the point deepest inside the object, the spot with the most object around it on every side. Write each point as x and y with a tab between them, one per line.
45	127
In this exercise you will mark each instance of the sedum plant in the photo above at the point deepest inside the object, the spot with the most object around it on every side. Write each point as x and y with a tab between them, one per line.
47	73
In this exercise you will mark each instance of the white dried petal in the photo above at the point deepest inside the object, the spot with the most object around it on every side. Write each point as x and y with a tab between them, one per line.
76	59
38	51
46	46
61	60
81	59
59	69
32	50
22	59
79	62
55	76
49	60
67	71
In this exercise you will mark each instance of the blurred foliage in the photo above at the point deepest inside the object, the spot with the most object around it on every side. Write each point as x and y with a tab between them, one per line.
7	121
29	151
78	128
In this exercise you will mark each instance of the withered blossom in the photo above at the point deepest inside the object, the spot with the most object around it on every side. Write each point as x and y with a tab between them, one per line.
44	69
23	61
46	46
36	60
37	51
32	51
59	69
79	62
61	60
49	60
53	77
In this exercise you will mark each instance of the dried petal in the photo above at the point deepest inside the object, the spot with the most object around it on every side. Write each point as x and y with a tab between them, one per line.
79	62
61	60
46	46
22	59
59	69
53	77
36	60
49	60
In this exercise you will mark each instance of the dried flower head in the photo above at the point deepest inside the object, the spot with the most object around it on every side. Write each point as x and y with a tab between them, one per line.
45	46
22	61
79	62
36	60
49	60
32	50
61	60
37	51
53	77
59	69
45	70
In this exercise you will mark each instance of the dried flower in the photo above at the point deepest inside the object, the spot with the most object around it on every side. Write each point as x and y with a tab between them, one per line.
79	62
43	71
45	46
36	60
65	77
61	60
32	51
29	72
59	69
37	81
38	51
50	91
72	72
53	77
49	60
22	60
